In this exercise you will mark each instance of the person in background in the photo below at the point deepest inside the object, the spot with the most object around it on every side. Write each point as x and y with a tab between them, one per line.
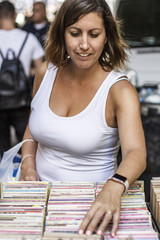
38	24
12	38
83	108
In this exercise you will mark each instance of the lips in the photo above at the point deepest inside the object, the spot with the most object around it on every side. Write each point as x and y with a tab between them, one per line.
83	54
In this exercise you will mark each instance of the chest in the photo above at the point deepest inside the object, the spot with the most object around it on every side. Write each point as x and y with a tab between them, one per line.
84	133
69	98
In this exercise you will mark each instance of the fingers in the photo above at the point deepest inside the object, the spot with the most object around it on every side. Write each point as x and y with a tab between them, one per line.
93	218
33	176
87	219
94	222
116	218
106	220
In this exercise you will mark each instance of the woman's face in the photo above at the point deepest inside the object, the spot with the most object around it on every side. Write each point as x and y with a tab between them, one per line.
85	40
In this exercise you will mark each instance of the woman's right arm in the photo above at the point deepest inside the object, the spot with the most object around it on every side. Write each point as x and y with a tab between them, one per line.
29	148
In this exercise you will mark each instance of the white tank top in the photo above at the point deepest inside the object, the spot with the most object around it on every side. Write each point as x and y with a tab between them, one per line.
78	148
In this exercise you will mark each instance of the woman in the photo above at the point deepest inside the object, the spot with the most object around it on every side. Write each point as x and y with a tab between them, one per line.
83	106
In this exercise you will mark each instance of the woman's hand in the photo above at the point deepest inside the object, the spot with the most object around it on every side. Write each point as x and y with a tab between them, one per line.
105	208
29	175
28	169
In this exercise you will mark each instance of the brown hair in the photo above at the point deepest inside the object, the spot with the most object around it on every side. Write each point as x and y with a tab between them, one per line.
113	54
7	10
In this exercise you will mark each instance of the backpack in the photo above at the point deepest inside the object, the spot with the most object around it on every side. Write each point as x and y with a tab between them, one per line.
15	86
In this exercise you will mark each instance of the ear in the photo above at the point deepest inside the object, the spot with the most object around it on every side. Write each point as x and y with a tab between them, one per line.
15	15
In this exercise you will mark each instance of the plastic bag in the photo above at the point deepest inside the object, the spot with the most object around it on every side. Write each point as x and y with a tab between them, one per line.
7	165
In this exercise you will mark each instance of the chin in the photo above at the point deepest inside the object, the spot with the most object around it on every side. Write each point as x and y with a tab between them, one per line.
84	66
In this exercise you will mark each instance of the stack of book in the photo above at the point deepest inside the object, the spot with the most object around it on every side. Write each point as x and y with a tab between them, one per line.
136	187
22	210
155	199
0	189
69	202
135	219
43	211
67	205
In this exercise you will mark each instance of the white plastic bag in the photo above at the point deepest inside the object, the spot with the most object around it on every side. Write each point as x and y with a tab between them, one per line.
7	165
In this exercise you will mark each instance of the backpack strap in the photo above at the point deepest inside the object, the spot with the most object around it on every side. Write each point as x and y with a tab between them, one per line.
23	45
1	54
20	49
9	52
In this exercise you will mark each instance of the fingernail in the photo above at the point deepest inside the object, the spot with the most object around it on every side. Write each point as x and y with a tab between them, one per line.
99	232
81	231
112	235
88	232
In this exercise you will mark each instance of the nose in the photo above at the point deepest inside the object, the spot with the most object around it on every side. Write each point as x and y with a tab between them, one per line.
84	43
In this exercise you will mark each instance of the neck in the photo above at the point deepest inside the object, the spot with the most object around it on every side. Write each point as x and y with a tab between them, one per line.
7	24
85	74
40	22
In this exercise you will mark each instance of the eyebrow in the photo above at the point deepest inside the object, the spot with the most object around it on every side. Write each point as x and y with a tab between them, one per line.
80	29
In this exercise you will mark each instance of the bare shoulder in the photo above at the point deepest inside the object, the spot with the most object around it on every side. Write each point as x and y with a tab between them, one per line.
123	85
124	93
39	76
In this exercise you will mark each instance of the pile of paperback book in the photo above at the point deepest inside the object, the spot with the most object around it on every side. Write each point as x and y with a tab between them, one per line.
54	211
23	209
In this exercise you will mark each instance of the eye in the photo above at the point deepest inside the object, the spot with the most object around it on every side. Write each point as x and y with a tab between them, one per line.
74	34
94	35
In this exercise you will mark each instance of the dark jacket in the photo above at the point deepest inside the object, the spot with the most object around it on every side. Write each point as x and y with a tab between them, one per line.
39	33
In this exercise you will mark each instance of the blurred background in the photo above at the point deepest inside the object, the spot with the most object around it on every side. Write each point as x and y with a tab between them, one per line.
140	22
24	8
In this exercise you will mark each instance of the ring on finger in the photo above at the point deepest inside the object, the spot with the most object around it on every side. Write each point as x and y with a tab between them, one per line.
109	212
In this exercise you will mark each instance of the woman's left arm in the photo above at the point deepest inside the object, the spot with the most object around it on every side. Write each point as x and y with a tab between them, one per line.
133	148
126	108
